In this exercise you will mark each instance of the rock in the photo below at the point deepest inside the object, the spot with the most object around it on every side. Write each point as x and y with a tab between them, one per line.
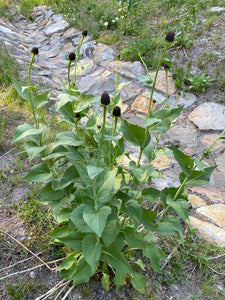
210	196
161	82
141	104
220	162
162	163
185	99
102	53
183	136
208	116
129	92
209	232
215	213
217	9
60	26
127	69
196	201
208	139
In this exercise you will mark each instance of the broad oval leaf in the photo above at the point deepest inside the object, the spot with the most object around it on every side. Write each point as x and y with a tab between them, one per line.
38	173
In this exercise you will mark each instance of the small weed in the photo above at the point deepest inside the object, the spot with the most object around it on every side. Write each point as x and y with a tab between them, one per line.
198	83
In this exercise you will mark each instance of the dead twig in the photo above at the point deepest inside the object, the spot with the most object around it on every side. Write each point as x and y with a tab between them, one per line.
18	242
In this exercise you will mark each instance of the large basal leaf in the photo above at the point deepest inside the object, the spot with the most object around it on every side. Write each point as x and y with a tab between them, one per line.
116	260
149	121
25	130
185	162
148	217
138	282
105	185
68	177
134	240
33	150
110	232
67	112
69	261
91	248
169	226
73	240
155	254
48	194
38	173
135	134
134	211
180	206
66	138
79	273
150	194
96	220
77	219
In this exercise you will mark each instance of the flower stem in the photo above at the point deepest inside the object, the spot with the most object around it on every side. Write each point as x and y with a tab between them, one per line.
102	136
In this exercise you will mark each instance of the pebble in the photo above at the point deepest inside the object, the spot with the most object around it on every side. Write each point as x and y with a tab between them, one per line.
192	133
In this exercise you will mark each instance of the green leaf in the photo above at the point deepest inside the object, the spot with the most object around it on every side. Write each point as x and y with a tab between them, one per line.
81	273
92	251
169	226
25	130
93	171
24	94
138	282
198	178
142	173
134	240
116	260
180	206
150	194
77	218
66	138
167	119
63	99
63	215
69	261
133	209
144	79
68	177
155	254
105	281
185	162
40	100
96	220
73	240
164	151
105	186
49	195
148	217
135	134
38	173
33	150
84	101
149	121
110	232
67	112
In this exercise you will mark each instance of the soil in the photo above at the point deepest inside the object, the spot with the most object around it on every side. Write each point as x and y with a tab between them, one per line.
23	282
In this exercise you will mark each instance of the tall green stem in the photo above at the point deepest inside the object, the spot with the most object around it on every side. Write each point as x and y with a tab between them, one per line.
76	61
30	97
167	105
154	81
102	136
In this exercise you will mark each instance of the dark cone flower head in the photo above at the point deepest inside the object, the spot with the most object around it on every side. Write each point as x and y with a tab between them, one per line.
118	56
91	154
170	36
105	99
116	111
84	32
165	66
77	115
72	56
34	50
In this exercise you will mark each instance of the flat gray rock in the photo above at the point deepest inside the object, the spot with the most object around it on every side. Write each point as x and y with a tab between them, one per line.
208	116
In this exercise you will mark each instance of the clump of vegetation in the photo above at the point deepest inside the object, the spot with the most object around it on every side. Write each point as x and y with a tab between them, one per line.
97	204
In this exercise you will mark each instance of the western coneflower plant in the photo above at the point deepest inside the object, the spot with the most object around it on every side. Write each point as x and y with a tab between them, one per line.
105	212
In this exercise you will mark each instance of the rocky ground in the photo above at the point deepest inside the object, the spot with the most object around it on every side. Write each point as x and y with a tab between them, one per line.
201	122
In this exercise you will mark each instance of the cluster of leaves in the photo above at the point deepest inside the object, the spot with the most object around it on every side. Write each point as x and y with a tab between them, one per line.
97	203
